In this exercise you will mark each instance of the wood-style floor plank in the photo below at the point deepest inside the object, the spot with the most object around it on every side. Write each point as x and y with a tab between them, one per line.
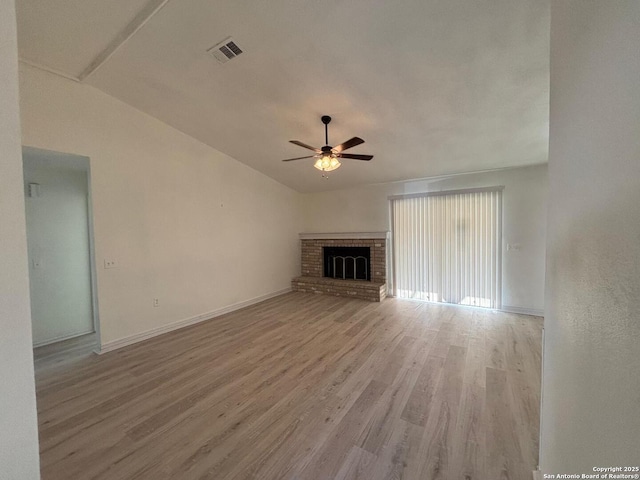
302	386
357	465
420	402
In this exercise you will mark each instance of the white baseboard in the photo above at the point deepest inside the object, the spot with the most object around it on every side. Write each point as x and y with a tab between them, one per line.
138	337
522	311
61	339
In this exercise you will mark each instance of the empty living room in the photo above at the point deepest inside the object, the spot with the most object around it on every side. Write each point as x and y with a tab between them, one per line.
319	240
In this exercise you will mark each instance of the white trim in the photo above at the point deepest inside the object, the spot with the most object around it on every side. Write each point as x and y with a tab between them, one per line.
537	475
523	310
139	21
541	426
499	246
95	309
344	236
154	332
53	71
61	338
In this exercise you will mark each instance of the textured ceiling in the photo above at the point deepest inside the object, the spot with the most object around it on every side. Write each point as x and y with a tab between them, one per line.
434	87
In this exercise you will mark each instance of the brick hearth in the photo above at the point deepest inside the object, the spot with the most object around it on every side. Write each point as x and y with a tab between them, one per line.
312	279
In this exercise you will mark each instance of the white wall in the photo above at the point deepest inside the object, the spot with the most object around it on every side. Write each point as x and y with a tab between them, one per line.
58	242
524	219
184	223
18	427
591	403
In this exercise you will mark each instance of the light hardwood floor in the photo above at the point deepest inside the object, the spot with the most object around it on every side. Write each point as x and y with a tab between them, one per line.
304	386
60	353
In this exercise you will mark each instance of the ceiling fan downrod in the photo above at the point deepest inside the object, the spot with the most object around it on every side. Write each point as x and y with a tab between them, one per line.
326	119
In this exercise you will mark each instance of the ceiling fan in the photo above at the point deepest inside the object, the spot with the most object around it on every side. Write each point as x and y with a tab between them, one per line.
327	156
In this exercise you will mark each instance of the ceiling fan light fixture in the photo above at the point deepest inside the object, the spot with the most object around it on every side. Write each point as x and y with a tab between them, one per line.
327	157
327	163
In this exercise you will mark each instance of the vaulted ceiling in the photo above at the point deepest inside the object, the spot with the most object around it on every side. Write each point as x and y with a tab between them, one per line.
433	86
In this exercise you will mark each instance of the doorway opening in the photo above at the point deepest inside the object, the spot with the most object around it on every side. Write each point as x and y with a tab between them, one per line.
62	278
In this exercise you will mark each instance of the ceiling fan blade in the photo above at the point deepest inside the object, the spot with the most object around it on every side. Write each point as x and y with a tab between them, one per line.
304	145
348	144
355	157
297	158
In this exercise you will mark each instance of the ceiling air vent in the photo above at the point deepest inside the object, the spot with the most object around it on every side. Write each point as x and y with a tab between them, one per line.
225	50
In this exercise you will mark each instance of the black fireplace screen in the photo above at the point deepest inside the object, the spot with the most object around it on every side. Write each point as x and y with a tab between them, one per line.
349	263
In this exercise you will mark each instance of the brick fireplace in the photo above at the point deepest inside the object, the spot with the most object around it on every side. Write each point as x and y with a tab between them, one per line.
344	264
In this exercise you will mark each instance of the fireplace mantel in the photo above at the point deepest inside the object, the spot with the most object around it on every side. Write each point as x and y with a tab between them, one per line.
344	236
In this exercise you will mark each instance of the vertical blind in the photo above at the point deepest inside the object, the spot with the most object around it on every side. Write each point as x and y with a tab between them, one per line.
447	247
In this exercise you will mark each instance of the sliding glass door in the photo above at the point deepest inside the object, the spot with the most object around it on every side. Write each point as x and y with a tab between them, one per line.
447	247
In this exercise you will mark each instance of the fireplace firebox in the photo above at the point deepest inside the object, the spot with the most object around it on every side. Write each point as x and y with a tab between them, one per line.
349	263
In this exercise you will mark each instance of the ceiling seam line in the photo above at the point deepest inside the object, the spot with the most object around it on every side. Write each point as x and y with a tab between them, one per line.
139	21
44	68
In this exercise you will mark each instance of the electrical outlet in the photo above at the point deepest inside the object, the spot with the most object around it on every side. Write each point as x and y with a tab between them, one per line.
156	302
110	263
